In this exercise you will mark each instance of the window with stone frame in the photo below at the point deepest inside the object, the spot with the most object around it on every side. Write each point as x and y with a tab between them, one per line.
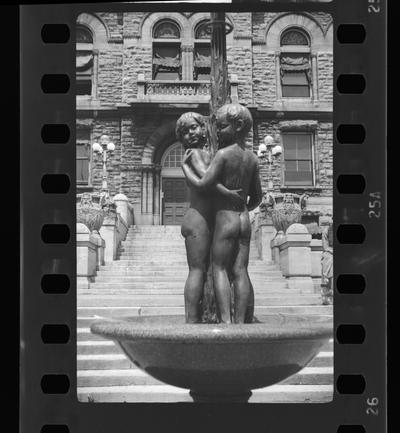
298	159
167	63
83	152
173	157
202	53
84	62
295	64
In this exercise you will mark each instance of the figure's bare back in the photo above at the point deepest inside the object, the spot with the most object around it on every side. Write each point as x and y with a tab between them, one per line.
239	166
238	170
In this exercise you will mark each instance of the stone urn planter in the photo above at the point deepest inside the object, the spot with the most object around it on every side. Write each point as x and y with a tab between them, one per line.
284	209
92	209
219	362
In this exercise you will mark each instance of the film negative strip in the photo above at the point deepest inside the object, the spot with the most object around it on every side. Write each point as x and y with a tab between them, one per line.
113	99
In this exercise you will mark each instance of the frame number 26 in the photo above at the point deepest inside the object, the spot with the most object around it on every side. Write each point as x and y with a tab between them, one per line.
372	408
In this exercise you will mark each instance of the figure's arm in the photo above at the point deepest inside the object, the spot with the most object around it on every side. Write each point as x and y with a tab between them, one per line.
210	177
199	162
255	189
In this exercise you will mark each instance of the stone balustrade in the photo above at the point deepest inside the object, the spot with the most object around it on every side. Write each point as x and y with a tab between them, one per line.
97	248
159	90
295	258
86	260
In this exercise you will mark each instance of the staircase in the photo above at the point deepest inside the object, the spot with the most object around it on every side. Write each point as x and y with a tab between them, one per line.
148	279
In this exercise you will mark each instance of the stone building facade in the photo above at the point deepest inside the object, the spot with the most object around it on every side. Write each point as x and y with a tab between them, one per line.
138	72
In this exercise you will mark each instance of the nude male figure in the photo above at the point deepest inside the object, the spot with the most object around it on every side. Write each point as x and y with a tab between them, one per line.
235	167
198	223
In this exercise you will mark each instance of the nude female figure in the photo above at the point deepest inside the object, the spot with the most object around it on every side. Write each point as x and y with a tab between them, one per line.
198	223
237	168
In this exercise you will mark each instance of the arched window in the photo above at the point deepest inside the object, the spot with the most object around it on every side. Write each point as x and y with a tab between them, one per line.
202	52
294	37
166	30
166	51
173	157
84	61
295	64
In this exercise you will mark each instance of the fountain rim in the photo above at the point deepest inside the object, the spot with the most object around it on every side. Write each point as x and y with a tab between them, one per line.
136	328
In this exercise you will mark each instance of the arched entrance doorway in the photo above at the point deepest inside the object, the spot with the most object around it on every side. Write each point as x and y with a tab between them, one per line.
174	190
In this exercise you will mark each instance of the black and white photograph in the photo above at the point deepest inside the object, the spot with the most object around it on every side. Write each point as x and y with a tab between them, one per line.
204	180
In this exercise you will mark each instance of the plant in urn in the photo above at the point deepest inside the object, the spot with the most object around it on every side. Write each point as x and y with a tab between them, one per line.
284	209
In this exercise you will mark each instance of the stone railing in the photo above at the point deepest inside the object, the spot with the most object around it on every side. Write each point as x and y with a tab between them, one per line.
157	90
97	243
299	258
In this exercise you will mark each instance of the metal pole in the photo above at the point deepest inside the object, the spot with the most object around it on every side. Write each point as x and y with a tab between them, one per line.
219	74
104	183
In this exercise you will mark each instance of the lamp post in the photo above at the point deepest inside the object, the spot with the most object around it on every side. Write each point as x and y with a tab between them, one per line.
105	148
267	151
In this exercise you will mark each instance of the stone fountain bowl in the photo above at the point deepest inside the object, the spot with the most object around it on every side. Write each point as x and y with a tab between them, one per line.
219	362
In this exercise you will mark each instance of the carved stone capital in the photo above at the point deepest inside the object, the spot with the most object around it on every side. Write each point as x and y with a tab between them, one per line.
187	48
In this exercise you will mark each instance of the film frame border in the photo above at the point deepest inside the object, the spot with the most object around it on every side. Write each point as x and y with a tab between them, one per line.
37	208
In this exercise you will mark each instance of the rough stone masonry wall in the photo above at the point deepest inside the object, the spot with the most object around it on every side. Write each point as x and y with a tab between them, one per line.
239	59
110	127
264	66
323	154
325	76
110	68
131	159
137	58
110	61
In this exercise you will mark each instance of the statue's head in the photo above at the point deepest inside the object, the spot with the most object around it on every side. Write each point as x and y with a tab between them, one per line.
191	130
234	122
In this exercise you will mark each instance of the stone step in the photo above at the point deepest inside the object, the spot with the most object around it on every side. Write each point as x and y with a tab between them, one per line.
119	311
141	265
84	323
178	300
169	394
176	284
164	276
93	347
117	361
89	344
154	271
134	376
263	291
147	246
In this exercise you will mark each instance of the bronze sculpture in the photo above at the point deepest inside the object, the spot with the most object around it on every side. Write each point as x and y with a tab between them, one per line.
198	223
236	168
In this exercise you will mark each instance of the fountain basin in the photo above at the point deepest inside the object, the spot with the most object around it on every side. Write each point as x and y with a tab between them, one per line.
219	362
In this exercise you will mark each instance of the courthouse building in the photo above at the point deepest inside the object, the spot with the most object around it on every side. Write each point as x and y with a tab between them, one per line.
137	72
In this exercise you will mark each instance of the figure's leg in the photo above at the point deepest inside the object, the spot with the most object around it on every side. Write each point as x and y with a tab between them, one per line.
249	317
223	250
197	241
244	294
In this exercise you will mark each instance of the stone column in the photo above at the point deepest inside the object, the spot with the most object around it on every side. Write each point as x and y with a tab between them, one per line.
295	258
141	82
86	256
278	76
100	244
234	82
314	73
187	62
316	254
121	204
108	232
275	247
156	195
267	234
147	195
